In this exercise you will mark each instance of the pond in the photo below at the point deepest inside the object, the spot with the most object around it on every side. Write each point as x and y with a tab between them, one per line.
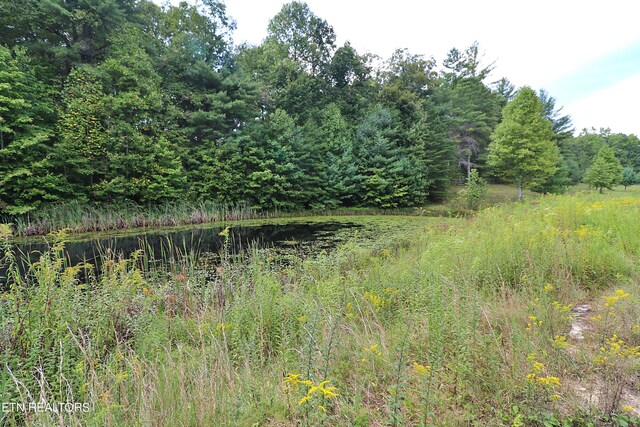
293	237
167	244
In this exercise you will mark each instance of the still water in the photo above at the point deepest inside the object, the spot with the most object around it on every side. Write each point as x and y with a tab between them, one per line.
166	245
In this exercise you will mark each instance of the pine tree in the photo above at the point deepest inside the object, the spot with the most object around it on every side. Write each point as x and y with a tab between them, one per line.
26	173
629	177
143	165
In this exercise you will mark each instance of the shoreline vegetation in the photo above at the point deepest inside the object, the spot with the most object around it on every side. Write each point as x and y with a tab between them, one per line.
79	218
464	325
76	218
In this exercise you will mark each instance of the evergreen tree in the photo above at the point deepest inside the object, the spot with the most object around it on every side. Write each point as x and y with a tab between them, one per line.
330	139
64	33
386	173
433	154
27	177
474	114
142	162
81	150
352	86
629	177
556	183
271	184
579	152
627	149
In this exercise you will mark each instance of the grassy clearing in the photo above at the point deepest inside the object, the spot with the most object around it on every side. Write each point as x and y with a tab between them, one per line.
455	207
462	325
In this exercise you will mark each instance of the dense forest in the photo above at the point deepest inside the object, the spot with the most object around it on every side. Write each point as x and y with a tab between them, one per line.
121	101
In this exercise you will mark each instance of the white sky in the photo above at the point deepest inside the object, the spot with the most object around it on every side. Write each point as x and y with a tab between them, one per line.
585	53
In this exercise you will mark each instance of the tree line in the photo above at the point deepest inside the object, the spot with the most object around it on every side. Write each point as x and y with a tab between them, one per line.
120	101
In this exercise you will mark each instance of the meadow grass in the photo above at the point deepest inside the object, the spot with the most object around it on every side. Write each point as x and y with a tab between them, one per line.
458	325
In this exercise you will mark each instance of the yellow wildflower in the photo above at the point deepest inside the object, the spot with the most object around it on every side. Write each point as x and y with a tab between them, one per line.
559	341
422	369
582	231
561	308
612	299
304	399
349	310
376	301
322	388
549	381
293	379
373	350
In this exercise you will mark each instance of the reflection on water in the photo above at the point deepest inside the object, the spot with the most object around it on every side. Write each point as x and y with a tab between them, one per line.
168	245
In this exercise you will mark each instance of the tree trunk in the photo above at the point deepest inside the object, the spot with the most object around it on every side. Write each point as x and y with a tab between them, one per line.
519	182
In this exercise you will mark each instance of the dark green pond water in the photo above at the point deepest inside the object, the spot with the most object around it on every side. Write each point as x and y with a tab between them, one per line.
163	247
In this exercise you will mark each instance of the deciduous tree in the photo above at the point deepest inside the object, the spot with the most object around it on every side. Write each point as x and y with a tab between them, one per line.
522	150
606	170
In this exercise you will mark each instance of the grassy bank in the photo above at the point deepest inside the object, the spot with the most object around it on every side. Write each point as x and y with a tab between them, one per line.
74	217
463	325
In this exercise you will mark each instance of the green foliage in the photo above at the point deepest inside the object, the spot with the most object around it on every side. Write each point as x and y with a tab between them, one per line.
556	183
26	176
81	150
142	163
465	64
475	112
606	170
433	153
303	37
123	101
629	177
386	174
627	149
522	150
65	33
562	126
475	191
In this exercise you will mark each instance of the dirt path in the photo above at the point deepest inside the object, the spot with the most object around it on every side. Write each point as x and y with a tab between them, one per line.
592	391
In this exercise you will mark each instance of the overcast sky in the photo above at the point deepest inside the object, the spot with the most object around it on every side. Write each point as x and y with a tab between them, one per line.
584	53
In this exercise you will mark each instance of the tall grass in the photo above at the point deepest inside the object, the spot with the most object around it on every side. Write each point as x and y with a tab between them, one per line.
458	326
79	217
